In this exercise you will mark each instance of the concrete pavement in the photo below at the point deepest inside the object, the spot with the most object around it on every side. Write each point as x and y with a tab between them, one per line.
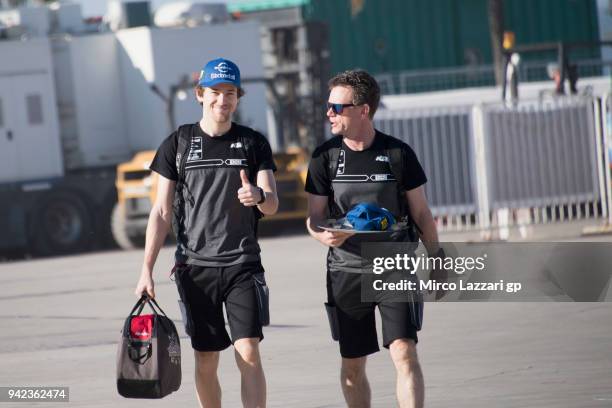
60	320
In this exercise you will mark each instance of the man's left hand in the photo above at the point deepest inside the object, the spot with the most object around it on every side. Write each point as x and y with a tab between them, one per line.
249	195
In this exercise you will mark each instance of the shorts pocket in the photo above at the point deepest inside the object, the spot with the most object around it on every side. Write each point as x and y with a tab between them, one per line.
334	323
186	317
179	272
263	298
416	312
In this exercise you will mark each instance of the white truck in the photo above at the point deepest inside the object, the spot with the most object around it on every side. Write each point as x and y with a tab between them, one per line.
74	105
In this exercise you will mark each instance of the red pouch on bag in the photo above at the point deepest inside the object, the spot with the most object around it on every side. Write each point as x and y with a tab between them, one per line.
141	327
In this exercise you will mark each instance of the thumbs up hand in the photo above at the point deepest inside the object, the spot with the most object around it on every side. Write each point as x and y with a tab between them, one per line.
249	195
244	179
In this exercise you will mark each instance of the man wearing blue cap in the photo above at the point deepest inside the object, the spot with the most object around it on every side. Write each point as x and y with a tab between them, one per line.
215	180
372	179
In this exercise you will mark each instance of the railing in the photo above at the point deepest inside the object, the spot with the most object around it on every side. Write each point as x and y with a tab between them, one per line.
490	166
409	82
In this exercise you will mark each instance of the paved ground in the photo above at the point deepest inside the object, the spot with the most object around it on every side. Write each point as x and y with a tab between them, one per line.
60	321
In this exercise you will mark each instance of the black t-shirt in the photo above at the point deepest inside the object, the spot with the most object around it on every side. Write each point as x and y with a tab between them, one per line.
217	229
362	176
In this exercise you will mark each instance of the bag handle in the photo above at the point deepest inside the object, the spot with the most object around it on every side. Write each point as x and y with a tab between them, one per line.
152	303
140	304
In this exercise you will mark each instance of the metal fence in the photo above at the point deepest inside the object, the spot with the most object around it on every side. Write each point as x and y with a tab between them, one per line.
417	81
491	166
407	82
541	155
441	138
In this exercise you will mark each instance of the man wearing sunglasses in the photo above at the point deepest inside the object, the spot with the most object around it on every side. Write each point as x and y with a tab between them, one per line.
353	167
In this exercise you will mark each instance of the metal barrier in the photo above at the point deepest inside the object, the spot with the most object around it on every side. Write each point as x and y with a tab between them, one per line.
441	138
541	156
491	167
543	163
606	138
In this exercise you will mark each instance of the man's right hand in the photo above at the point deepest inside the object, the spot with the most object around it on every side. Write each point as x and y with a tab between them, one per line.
145	285
334	238
317	213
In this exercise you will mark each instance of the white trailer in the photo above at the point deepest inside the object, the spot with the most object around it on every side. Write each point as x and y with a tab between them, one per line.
43	206
29	142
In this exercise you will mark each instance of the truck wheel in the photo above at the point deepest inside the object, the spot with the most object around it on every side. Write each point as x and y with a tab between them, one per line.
120	234
61	224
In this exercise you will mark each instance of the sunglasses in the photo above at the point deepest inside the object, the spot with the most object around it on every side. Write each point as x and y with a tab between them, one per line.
337	108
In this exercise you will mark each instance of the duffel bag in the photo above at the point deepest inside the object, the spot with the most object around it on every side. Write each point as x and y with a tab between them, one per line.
149	354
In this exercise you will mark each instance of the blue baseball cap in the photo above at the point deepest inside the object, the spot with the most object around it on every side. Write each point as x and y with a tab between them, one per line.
370	217
219	71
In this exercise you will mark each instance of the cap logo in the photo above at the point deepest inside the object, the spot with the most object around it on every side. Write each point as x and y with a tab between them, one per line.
222	67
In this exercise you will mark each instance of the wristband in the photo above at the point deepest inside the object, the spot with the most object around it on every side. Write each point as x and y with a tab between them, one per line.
262	195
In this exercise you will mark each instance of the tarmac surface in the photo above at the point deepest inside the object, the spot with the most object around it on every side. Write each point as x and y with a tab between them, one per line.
60	320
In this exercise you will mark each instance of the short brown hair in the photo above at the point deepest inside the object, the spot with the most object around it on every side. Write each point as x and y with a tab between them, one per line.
200	91
364	86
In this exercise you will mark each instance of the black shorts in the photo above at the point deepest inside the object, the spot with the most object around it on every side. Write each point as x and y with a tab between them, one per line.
203	290
355	320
